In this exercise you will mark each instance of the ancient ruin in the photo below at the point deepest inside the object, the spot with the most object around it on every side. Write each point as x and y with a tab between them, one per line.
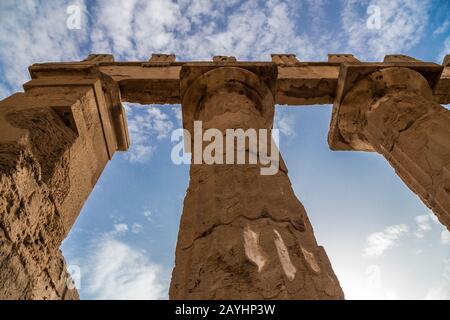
242	235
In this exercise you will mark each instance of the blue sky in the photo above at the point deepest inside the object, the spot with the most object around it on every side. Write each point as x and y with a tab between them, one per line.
382	241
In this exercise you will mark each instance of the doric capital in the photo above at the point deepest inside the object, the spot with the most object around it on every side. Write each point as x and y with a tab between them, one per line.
361	85
256	81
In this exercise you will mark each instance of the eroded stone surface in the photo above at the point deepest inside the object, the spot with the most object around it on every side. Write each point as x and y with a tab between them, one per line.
243	234
48	167
392	111
32	266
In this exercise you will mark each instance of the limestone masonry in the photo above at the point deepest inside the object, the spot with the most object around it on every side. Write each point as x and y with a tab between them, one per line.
242	235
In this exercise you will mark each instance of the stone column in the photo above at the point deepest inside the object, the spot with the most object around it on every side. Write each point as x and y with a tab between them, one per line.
56	139
243	235
391	111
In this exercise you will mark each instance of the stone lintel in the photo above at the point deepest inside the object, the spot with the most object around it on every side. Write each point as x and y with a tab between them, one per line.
350	74
307	83
299	83
266	71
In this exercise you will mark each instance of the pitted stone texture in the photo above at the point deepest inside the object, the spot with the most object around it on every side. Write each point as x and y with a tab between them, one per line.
392	112
70	162
47	170
413	133
244	235
31	231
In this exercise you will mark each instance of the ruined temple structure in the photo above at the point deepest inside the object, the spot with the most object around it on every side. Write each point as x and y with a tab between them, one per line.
242	235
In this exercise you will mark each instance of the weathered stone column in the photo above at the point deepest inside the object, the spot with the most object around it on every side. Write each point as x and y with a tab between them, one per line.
391	111
242	235
55	140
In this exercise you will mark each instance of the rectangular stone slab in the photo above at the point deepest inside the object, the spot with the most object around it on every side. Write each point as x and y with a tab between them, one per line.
302	83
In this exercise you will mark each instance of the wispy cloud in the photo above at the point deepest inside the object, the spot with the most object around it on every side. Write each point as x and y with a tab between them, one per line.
148	214
380	242
120	228
136	228
423	225
119	271
445	237
36	31
284	122
402	26
442	28
445	49
146	125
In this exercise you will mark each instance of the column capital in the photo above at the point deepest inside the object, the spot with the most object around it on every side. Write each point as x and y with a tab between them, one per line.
255	80
360	85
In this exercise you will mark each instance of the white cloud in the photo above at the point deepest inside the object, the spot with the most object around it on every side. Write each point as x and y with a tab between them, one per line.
178	115
120	228
445	50
36	31
402	26
112	27
367	283
136	228
118	271
423	225
284	122
379	242
442	28
148	214
445	237
147	125
201	29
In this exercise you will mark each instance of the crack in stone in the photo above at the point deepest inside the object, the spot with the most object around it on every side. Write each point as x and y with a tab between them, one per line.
214	226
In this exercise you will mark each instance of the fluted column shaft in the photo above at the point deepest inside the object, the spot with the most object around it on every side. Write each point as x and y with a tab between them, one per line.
243	235
393	113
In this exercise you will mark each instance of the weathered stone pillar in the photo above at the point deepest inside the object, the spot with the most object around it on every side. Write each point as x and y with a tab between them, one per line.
242	235
55	140
391	111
